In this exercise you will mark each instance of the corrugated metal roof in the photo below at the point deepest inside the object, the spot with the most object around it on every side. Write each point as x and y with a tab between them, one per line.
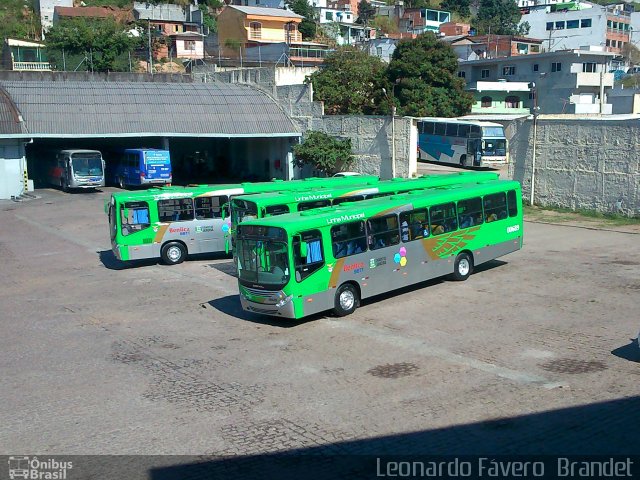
168	12
271	12
91	109
10	120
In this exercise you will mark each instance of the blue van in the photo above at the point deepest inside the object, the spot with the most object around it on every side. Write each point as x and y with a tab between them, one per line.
142	166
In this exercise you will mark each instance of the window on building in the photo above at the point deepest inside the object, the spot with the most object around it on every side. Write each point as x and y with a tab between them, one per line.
512	101
484	73
535	67
523	48
589	67
573	24
255	30
443	17
329	16
559	25
432	15
556	66
190	45
549	26
379	51
461	74
534	48
608	43
486	102
585	23
508	70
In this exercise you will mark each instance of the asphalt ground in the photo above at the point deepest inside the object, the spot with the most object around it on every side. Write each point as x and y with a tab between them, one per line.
533	354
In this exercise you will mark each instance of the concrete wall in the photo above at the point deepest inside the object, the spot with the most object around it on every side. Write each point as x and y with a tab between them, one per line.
580	163
12	168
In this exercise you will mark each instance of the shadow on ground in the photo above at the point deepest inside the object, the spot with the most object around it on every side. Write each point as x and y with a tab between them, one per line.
607	428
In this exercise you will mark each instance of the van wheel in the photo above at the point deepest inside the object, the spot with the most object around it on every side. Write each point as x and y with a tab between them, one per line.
463	267
463	161
347	300
174	253
121	183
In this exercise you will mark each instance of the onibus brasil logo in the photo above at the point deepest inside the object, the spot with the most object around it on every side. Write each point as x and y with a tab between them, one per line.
33	468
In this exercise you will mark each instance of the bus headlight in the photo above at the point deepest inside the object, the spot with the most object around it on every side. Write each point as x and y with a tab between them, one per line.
284	301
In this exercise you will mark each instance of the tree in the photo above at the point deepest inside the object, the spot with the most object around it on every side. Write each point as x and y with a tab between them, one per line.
102	41
424	72
500	17
308	25
631	53
384	24
18	20
461	7
350	82
324	153
366	12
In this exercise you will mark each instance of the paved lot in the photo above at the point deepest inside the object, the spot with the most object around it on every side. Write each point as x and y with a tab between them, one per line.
531	354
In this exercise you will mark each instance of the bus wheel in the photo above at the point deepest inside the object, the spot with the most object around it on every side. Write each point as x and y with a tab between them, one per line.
174	253
347	300
462	267
121	182
463	160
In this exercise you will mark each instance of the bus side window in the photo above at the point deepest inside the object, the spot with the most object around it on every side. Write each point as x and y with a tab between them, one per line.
440	128
348	239
134	217
512	202
354	198
427	128
175	210
452	129
276	210
314	260
495	207
383	232
470	212
315	204
463	131
414	225
443	218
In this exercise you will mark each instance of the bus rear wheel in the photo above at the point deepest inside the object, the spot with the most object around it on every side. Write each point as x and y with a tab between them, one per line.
347	300
121	183
463	161
463	267
173	253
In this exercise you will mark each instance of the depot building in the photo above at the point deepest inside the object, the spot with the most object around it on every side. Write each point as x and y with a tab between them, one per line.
215	132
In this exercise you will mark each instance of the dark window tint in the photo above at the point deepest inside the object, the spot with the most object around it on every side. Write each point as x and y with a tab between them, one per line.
427	128
378	195
134	217
317	204
414	225
348	239
512	202
210	207
276	210
383	232
495	207
470	212
175	210
355	198
440	128
314	260
452	130
463	130
443	218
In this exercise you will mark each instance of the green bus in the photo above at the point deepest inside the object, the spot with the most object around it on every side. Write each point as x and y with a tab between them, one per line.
298	264
172	222
245	207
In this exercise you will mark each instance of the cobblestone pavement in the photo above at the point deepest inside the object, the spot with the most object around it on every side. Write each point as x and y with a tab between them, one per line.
532	354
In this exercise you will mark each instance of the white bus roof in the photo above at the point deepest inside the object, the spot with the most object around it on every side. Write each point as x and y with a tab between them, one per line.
458	121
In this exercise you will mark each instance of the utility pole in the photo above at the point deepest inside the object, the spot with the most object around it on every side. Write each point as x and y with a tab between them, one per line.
150	51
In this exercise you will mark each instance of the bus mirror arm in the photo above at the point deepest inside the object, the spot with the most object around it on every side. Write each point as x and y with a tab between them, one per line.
225	206
226	244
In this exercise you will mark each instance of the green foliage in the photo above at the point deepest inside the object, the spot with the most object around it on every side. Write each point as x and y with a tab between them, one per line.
384	24
424	72
366	12
500	17
461	7
102	41
324	153
308	26
208	20
109	3
631	53
417	4
18	20
350	82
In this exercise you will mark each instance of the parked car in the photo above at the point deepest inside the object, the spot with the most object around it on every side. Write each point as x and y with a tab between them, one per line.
633	70
347	174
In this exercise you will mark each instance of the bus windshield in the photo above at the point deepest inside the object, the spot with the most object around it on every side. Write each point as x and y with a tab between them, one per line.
243	210
494	147
492	131
87	164
263	257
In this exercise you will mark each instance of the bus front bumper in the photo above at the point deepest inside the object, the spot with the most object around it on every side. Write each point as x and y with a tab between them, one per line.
286	311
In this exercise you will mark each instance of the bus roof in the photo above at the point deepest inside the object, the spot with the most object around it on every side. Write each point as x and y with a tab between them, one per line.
315	218
248	188
385	186
480	123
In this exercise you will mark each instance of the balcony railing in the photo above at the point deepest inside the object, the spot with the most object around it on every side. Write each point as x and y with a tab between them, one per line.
31	66
310	53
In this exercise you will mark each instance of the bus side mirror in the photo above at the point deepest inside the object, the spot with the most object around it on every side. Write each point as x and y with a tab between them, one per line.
224	208
304	249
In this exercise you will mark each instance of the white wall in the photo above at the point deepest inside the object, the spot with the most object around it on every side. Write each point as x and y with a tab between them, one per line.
293	75
12	166
182	52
